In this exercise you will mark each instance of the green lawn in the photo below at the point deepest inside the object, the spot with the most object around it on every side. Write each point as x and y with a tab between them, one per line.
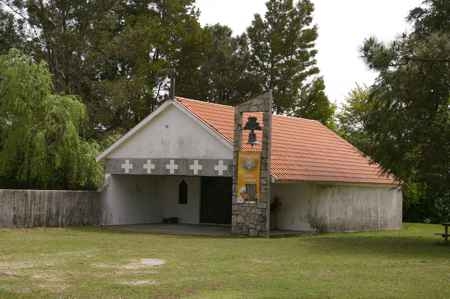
94	263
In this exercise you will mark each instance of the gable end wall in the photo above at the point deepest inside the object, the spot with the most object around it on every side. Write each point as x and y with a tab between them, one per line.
173	134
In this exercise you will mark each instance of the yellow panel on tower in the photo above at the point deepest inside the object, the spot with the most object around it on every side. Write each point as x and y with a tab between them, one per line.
248	176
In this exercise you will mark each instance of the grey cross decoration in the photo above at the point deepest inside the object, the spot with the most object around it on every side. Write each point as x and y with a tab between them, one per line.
195	167
149	166
172	167
127	166
221	167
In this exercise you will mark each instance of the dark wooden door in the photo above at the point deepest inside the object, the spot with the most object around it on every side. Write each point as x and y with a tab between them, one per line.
216	200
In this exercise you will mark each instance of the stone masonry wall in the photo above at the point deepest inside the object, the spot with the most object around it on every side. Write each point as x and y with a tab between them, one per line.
249	219
34	208
253	219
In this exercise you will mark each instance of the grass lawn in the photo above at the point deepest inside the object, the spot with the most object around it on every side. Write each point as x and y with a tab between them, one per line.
94	263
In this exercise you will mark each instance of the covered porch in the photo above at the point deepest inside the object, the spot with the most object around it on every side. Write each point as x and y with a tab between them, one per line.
156	199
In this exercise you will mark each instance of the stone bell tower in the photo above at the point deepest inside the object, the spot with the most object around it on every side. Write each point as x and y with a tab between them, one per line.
252	217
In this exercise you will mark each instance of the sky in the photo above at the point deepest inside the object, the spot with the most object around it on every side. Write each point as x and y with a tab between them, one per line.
343	26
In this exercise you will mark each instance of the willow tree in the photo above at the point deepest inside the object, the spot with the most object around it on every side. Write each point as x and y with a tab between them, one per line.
40	143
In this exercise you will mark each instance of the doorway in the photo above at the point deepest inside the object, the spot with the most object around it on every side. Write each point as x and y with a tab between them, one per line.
216	199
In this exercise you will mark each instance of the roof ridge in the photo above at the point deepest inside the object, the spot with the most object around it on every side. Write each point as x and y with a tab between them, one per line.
179	99
296	117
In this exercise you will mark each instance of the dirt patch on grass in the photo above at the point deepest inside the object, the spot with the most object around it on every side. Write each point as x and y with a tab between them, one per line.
144	263
261	261
134	265
35	273
7	273
140	283
137	267
72	253
14	266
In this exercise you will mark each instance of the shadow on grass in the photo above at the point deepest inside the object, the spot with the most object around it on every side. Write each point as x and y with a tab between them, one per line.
393	246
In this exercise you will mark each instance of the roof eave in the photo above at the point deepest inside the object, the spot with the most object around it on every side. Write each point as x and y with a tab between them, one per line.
349	183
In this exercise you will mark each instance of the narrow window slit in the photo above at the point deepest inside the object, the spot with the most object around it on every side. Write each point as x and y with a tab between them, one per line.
182	193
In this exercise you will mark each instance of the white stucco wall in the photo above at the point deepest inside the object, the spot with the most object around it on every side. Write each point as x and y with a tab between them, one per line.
168	194
173	134
337	207
130	199
135	199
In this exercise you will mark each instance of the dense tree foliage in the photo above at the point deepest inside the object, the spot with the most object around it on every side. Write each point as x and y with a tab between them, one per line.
11	32
403	120
40	144
352	118
222	74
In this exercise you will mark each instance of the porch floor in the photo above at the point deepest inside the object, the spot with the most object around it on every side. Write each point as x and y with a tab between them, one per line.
210	230
176	229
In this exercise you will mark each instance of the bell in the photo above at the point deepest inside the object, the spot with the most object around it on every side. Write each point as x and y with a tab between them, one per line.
252	138
252	124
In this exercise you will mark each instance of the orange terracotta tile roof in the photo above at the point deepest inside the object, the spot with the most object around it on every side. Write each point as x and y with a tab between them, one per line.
302	149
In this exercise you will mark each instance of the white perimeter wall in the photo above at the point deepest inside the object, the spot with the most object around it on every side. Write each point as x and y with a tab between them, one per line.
337	207
135	199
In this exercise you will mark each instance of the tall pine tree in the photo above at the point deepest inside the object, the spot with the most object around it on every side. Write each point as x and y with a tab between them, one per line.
221	76
282	59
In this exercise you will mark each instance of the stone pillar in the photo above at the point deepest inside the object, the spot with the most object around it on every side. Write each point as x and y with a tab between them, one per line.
253	219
